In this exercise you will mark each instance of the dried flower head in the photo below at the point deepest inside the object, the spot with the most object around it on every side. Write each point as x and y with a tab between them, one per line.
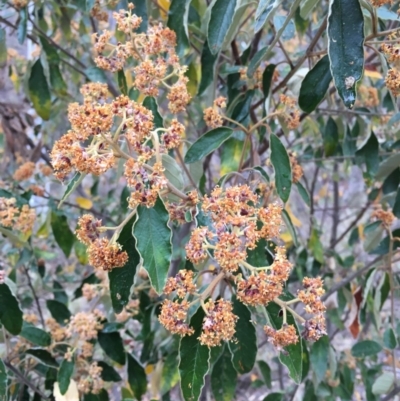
182	283
89	229
219	323
105	255
385	216
173	317
392	81
283	337
311	295
24	172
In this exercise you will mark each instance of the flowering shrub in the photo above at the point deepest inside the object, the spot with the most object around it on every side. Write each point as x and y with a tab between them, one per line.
206	188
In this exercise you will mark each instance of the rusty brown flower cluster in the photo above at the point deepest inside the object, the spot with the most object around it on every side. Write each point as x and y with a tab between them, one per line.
154	52
237	224
18	218
103	253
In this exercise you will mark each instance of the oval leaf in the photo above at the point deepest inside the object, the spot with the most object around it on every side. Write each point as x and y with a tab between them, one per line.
59	311
112	345
153	238
365	348
10	312
64	375
221	18
43	356
39	92
62	233
207	143
136	377
35	335
315	84
346	47
283	171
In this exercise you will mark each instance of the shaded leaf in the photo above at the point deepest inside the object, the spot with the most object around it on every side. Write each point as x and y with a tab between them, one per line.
389	339
123	87
112	345
265	372
151	104
207	68
176	16
3	380
65	374
365	348
224	377
244	350
62	233
267	77
222	14
346	47
368	153
43	356
136	377
264	12
153	238
207	143
35	335
10	312
283	171
121	278
315	85
59	311
193	360
319	357
108	373
39	91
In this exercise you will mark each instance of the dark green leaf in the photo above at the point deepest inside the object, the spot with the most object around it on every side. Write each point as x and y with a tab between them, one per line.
194	360
330	137
153	238
170	372
151	104
121	278
319	356
59	311
389	339
62	233
383	247
267	77
292	358
123	87
108	374
39	92
112	345
207	68
314	85
289	225
346	47
3	380
222	14
43	356
259	256
176	16
274	397
64	375
303	193
136	377
369	154
283	171
223	377
10	312
59	293
265	372
396	206
365	348
242	109
244	350
207	143
349	143
35	335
